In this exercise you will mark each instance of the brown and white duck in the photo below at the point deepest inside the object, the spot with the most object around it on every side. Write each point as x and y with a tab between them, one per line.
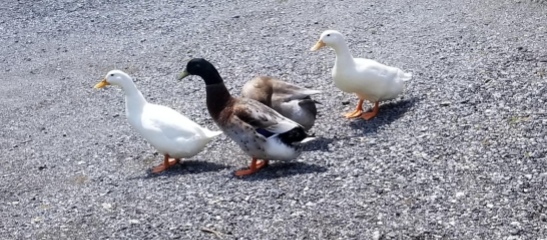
292	101
260	131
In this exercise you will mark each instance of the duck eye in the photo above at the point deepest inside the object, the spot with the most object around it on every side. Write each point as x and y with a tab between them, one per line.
328	35
112	75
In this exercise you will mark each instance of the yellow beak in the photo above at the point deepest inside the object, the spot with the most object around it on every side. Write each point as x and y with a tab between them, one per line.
182	75
318	45
103	83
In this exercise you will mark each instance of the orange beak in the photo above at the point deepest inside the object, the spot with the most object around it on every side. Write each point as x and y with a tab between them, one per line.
103	83
318	45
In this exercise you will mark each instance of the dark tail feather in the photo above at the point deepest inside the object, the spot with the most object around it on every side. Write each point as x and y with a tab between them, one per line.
295	135
309	105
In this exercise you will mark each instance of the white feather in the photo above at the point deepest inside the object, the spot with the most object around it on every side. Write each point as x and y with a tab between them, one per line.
367	78
164	128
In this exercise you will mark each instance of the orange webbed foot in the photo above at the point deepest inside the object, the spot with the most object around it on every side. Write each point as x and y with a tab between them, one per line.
370	115
354	114
358	110
167	163
255	167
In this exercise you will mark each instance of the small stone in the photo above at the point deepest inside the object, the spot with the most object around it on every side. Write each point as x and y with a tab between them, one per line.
345	102
36	220
515	224
376	235
107	206
236	16
134	222
444	104
515	238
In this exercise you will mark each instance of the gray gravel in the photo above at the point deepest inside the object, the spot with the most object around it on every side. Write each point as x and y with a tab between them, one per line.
461	155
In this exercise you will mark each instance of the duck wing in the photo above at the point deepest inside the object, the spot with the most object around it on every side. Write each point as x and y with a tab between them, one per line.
262	118
285	92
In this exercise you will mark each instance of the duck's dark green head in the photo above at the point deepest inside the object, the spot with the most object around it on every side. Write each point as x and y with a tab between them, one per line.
202	68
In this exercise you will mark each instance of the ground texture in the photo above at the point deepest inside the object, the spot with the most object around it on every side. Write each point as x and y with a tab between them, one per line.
460	155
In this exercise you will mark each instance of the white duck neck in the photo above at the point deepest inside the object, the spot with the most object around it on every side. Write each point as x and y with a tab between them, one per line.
343	56
134	100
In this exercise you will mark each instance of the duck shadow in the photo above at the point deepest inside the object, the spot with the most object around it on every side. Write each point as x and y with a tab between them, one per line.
388	113
284	169
318	144
188	167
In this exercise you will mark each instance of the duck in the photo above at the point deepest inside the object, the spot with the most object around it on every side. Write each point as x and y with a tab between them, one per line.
290	100
261	132
368	79
172	134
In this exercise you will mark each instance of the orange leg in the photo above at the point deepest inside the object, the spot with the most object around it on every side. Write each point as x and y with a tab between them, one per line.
255	166
358	110
167	163
370	115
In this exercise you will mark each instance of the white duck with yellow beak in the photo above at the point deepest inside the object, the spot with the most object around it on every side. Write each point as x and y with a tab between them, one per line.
367	78
171	133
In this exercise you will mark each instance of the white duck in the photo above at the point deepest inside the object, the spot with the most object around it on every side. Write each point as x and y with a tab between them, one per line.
172	134
367	78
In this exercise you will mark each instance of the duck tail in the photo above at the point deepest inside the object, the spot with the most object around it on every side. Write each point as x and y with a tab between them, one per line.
308	139
405	76
294	135
310	91
212	134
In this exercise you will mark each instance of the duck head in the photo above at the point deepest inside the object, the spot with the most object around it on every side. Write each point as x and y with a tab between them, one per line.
202	68
114	77
328	38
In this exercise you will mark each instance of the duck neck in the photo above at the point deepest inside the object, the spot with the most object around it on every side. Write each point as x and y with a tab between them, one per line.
134	100
218	97
343	56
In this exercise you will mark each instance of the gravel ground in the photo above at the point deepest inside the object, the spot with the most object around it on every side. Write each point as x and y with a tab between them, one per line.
461	155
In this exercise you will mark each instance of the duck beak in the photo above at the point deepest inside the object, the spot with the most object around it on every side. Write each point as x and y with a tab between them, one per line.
103	83
318	45
182	75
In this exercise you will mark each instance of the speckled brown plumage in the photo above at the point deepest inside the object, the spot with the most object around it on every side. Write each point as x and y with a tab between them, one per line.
291	101
259	130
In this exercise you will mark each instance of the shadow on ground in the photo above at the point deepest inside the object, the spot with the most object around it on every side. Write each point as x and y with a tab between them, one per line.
281	169
318	144
388	113
189	167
